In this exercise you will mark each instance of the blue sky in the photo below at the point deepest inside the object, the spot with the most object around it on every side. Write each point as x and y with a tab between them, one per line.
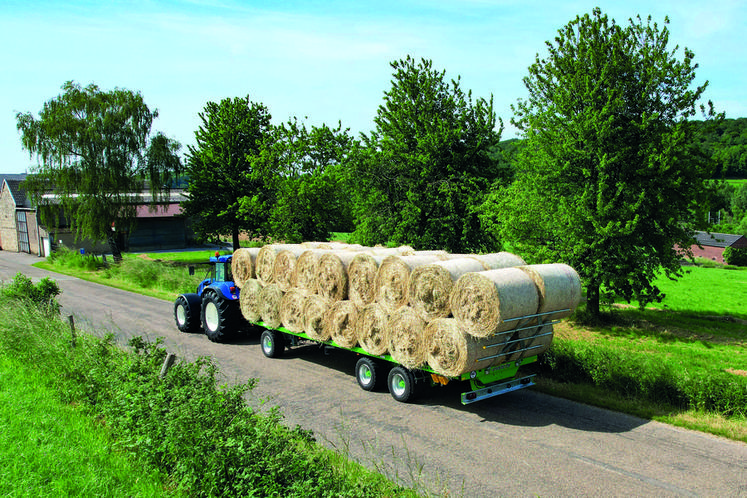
321	60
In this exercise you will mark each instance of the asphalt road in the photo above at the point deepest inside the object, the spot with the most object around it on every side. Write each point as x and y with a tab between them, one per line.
519	444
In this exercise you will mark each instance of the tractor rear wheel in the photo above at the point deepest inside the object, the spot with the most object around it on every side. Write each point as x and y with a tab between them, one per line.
219	317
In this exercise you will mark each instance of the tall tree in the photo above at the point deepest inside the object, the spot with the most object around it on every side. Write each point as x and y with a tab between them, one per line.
421	175
220	169
610	179
95	155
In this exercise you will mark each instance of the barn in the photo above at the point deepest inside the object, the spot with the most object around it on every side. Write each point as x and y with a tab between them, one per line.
712	245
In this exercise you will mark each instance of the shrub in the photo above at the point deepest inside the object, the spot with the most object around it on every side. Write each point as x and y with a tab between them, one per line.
42	294
736	256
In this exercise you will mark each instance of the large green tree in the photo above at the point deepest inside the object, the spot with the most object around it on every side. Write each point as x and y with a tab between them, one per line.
420	176
96	154
220	169
610	177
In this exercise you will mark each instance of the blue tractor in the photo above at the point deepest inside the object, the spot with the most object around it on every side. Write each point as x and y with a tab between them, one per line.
214	308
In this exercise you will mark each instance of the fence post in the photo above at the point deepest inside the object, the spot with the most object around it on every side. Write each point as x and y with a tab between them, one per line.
71	321
167	362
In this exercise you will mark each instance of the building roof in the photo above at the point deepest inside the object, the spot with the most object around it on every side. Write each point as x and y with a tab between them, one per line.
720	239
18	194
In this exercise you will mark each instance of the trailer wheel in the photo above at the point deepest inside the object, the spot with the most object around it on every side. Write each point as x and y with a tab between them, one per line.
367	373
187	312
219	317
401	384
273	343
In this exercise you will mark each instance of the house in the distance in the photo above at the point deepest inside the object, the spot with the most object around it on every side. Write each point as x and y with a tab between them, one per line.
712	245
21	230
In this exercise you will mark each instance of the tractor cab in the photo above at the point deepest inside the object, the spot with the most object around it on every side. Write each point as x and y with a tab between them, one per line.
220	277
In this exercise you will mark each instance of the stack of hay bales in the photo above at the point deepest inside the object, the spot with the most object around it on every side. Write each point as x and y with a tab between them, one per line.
451	312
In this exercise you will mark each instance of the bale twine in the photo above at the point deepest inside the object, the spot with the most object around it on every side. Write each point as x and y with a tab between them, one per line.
559	288
370	329
451	351
332	275
284	265
249	300
429	287
361	277
392	278
496	260
266	260
242	264
291	310
404	337
314	309
487	302
269	305
305	271
340	321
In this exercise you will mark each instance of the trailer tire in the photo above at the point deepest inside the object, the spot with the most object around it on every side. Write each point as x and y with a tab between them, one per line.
272	343
187	312
401	383
219	317
367	373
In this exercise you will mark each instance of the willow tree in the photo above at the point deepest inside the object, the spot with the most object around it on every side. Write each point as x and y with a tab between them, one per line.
96	157
610	177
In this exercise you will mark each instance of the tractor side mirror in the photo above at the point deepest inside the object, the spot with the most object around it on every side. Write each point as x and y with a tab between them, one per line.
191	270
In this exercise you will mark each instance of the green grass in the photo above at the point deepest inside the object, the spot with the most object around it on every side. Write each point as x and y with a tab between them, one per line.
737	182
49	448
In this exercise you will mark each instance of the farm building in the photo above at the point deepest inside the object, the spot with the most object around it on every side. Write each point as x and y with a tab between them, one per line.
21	230
712	245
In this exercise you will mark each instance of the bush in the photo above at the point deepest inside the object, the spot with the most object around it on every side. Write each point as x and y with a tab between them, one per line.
736	256
42	294
65	257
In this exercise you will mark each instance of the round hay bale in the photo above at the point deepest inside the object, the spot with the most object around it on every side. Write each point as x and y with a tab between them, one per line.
404	337
541	341
451	351
559	288
314	309
496	260
429	287
441	254
306	269
284	266
269	305
392	278
291	310
487	302
339	323
332	275
361	277
531	341
370	329
266	260
242	264
249	300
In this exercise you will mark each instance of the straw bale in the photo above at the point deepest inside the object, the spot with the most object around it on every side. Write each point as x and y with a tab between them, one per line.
488	302
496	260
339	323
269	305
266	260
404	337
541	341
392	278
361	277
305	272
249	300
291	310
559	288
370	329
429	287
314	309
451	351
442	255
242	264
332	275
526	336
284	265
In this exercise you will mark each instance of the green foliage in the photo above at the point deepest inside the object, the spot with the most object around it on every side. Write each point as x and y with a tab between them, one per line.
727	144
204	437
221	171
736	256
95	153
420	177
65	257
42	294
610	179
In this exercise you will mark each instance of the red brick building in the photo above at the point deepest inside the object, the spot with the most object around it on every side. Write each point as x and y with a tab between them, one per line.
714	244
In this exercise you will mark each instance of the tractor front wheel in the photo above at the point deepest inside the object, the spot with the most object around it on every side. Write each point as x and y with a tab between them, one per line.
187	312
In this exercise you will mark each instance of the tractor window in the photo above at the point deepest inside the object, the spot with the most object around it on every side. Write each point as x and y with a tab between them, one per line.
223	272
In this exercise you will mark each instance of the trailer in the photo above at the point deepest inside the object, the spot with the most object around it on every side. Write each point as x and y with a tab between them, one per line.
214	309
